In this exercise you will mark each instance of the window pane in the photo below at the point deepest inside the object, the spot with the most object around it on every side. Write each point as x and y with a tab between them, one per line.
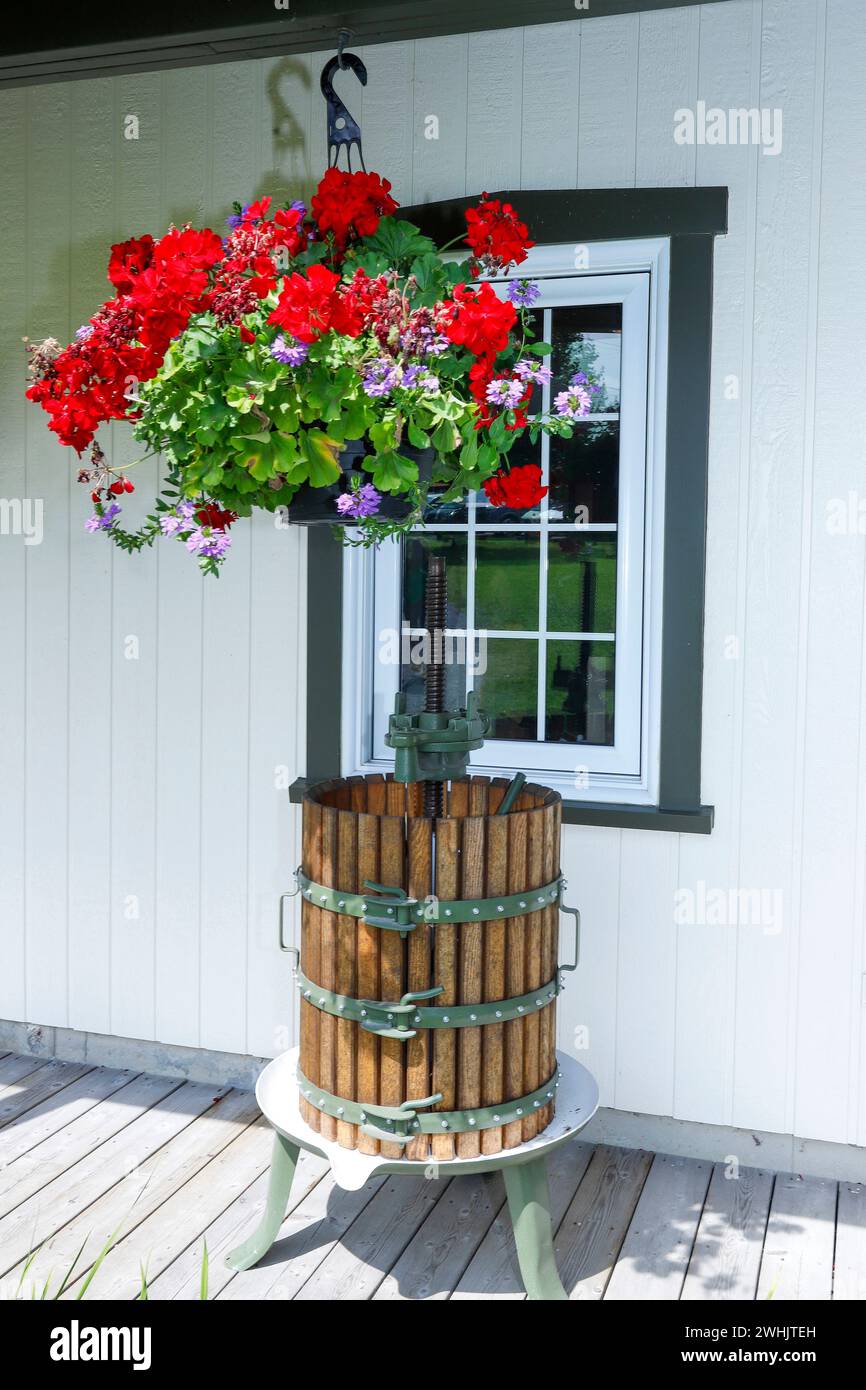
581	583
588	338
416	548
507	685
584	473
451	512
579	700
506	581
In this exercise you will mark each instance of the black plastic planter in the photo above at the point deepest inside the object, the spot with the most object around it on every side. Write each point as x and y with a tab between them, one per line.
317	506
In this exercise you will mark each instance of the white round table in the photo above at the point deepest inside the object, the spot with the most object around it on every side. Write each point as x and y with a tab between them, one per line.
523	1168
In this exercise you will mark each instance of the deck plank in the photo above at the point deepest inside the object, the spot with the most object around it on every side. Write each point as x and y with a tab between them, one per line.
442	1247
593	1229
797	1261
493	1271
147	1184
181	1279
306	1238
849	1275
61	1150
40	1086
15	1069
355	1267
658	1244
186	1212
59	1110
120	1166
726	1259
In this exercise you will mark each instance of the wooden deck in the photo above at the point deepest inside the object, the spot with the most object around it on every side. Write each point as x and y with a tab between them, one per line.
89	1152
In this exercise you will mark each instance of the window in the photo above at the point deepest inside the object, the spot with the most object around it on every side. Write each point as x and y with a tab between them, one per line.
553	614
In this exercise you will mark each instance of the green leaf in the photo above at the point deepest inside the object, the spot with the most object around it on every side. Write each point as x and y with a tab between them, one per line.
320	452
392	472
417	438
540	349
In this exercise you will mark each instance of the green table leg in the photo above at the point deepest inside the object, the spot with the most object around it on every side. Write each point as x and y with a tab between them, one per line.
529	1205
283	1161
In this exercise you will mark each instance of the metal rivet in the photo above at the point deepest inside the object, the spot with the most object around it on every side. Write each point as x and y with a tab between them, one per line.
500	908
475	911
390	1018
323	898
498	1013
523	904
445	1018
321	1003
363	907
342	903
390	912
471	1121
363	1013
363	1116
550	1095
341	1110
472	1018
496	1118
519	1110
520	1008
322	1102
307	993
417	1018
541	900
416	1124
539	1003
448	912
536	1103
342	1008
444	1124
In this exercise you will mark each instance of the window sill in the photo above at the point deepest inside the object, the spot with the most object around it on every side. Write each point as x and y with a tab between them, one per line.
699	822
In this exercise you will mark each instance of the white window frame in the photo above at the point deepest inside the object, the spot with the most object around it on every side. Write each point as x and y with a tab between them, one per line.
628	772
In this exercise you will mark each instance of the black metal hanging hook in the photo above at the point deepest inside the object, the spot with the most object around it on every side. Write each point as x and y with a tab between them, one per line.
343	129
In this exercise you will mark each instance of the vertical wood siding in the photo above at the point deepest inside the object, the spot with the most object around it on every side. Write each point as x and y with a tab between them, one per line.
150	720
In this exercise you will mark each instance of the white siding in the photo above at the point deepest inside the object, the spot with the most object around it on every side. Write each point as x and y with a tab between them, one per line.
154	785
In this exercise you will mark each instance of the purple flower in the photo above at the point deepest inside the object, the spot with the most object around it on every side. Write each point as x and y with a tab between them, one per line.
574	403
505	392
410	375
524	292
180	518
209	542
105	521
361	501
298	206
235	219
288	351
579	379
381	377
83	333
528	370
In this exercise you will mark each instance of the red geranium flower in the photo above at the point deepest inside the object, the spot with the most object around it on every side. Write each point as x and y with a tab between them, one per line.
310	305
497	236
128	259
481	320
519	489
351	205
211	514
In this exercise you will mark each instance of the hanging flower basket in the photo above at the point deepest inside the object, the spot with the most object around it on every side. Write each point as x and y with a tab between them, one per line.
332	366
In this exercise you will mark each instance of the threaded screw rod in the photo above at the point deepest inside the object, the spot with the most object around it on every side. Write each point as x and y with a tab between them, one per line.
435	601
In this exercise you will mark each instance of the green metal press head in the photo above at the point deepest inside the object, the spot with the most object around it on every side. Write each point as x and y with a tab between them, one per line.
434	747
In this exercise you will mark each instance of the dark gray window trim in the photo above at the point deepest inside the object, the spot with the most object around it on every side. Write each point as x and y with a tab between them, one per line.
691	217
62	42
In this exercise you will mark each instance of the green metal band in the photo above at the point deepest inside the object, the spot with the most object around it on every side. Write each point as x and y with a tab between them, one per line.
395	911
389	1020
398	1124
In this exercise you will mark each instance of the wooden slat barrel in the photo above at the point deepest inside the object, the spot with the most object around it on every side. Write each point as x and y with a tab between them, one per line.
368	830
